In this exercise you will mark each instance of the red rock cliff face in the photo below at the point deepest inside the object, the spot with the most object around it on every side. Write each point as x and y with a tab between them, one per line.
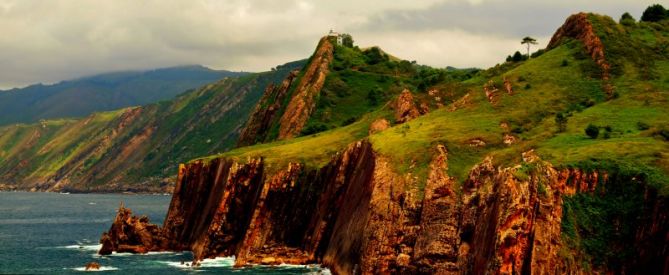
356	215
266	112
303	100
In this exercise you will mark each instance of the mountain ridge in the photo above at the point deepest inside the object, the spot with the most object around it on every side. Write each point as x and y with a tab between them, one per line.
102	92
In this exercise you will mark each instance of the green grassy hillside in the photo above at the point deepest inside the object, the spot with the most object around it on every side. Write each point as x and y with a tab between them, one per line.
633	125
136	148
545	103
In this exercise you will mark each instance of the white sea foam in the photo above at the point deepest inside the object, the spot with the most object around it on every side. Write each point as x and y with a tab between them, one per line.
102	268
127	254
91	247
216	262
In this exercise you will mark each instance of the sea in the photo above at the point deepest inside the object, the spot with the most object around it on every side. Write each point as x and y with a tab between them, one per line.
55	233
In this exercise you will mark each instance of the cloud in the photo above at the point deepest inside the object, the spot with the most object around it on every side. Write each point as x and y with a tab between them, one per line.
47	41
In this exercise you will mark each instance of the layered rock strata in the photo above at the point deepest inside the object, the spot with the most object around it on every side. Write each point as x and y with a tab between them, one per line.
356	215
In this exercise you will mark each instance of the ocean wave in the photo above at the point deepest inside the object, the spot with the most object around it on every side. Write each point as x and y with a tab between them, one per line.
128	254
216	262
91	247
102	268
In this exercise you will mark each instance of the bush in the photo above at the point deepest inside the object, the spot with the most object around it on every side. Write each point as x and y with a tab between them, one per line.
662	133
375	56
347	40
349	121
517	57
538	53
654	13
627	19
642	126
592	131
561	121
315	128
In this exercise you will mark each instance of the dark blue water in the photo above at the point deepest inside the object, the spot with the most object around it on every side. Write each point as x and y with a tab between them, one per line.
51	233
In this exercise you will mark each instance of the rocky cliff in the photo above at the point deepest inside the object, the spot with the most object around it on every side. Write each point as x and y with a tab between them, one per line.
356	215
266	112
303	100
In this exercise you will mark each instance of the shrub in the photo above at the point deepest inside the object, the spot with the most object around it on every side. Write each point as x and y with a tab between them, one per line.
627	19
315	128
517	57
538	53
662	133
347	40
375	56
642	126
592	131
349	121
654	13
561	121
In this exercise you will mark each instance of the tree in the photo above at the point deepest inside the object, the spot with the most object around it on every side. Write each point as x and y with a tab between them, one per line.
375	56
592	131
347	40
529	41
561	121
654	13
627	19
517	57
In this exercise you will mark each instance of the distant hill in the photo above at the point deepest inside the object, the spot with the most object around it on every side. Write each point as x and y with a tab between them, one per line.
103	92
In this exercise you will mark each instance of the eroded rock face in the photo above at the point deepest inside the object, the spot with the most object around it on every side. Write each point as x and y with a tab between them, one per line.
302	102
378	126
132	234
579	27
266	112
356	215
405	107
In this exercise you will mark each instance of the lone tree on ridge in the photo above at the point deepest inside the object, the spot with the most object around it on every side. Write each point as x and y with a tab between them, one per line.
529	41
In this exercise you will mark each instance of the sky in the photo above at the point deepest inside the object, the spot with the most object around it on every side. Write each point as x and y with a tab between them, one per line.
49	41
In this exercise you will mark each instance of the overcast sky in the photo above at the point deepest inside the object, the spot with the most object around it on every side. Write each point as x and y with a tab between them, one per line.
48	41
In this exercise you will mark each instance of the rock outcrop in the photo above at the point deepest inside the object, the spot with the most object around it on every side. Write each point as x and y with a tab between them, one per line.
303	99
356	215
579	27
132	234
405	107
378	126
266	112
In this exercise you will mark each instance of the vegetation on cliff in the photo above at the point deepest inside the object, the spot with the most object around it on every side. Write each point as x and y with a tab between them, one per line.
132	149
595	72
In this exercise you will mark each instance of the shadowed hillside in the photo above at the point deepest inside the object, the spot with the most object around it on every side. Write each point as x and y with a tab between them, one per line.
104	92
